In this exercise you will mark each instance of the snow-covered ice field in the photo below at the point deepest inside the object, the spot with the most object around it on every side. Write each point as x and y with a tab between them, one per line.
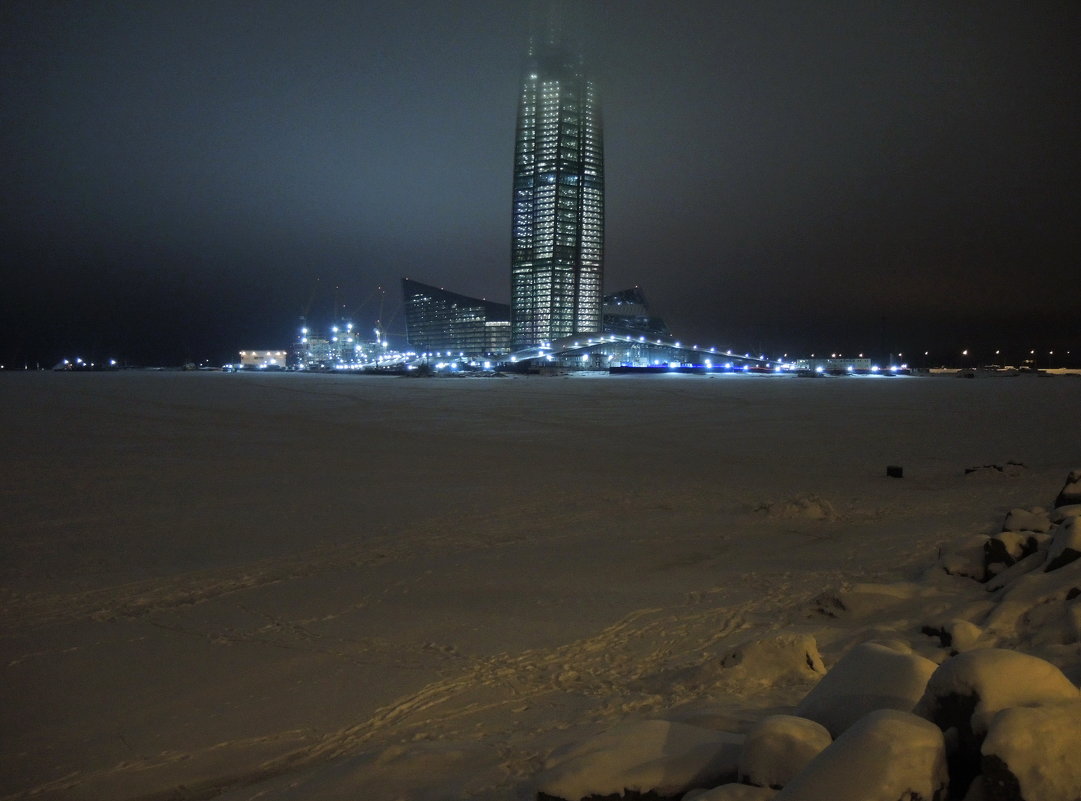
284	586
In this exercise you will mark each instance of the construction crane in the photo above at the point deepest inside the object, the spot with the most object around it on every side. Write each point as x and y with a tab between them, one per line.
380	334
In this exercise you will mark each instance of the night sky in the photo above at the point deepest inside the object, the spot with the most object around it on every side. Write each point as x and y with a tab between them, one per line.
181	180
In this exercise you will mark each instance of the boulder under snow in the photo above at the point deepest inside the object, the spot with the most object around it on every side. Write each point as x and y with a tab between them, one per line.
779	659
1065	544
779	747
1008	548
1060	513
870	676
968	690
1038	609
988	680
1033	519
1031	753
1071	491
887	755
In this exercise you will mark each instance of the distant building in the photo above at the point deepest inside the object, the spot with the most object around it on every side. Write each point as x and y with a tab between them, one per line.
834	365
627	312
262	359
445	322
557	232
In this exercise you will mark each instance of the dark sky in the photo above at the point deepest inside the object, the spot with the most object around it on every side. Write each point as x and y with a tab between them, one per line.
180	179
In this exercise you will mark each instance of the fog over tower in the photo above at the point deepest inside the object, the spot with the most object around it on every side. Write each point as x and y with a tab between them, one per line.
557	239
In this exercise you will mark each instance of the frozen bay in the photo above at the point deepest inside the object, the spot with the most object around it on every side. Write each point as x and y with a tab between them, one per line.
311	585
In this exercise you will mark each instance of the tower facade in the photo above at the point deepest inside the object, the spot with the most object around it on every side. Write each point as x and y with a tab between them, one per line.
557	240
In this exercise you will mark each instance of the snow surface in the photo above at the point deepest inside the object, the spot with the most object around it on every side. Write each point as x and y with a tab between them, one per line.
731	792
650	755
292	587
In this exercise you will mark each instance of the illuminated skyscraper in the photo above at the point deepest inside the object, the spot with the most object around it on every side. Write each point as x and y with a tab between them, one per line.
557	245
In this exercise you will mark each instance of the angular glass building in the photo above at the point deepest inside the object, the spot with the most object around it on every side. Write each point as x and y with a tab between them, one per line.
557	240
440	321
627	313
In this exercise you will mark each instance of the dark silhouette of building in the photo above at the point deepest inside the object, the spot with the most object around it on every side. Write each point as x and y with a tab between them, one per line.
627	312
558	209
440	321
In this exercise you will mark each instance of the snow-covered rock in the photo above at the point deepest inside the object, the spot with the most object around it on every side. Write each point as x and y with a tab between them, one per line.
964	635
957	634
806	505
871	601
1034	561
1065	544
1033	519
986	558
780	660
1060	513
1004	550
1038	608
652	756
772	660
1071	491
966	558
870	676
1010	469
887	756
779	747
732	792
968	690
1032	753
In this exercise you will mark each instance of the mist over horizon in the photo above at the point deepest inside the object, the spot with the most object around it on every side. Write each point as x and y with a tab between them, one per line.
182	182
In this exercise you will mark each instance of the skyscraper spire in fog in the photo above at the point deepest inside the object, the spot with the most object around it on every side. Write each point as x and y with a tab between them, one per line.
554	23
557	250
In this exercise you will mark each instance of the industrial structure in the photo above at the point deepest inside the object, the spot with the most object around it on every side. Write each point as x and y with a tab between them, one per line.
340	347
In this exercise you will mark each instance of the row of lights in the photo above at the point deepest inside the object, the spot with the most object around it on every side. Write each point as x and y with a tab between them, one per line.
80	363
